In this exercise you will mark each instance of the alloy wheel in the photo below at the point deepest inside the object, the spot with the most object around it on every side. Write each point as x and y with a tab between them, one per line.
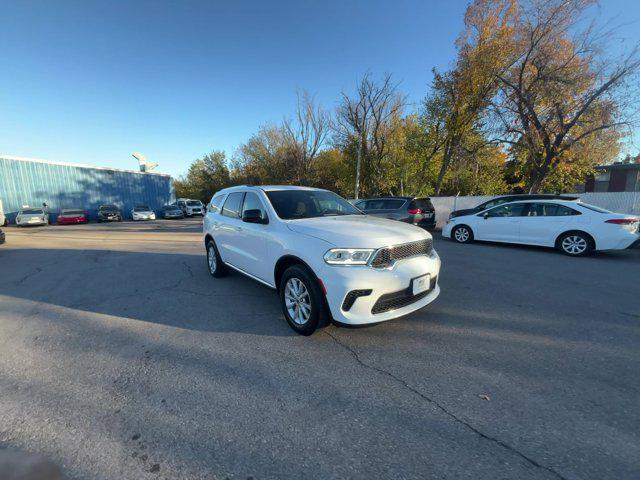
574	245
211	259
462	234
297	301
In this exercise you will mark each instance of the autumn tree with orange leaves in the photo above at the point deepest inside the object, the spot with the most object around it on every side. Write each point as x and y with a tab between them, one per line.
558	91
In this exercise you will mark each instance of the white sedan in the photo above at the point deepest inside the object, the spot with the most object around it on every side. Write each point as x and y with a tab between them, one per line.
142	212
573	227
32	216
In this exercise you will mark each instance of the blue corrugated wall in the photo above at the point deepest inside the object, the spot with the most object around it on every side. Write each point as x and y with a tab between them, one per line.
68	186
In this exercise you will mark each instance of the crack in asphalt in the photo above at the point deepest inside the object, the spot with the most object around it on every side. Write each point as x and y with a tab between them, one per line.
28	275
443	409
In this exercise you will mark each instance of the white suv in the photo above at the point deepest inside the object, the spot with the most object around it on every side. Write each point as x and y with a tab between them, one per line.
190	207
326	259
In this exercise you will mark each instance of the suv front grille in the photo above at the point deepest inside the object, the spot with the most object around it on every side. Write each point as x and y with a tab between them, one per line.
402	298
388	255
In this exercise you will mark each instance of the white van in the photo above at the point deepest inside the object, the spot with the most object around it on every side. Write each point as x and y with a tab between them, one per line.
190	207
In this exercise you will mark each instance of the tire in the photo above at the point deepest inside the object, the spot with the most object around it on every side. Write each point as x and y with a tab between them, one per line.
462	234
215	265
302	300
575	244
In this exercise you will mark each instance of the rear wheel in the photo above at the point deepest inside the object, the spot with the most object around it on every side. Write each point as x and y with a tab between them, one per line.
575	244
216	267
462	234
301	300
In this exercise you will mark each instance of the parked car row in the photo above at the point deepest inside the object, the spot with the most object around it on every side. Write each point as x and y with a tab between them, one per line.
105	213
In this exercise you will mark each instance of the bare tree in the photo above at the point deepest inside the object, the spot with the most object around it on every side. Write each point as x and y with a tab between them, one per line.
558	88
305	135
365	119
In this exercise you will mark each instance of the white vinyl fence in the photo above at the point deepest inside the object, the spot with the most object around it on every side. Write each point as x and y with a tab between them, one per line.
620	202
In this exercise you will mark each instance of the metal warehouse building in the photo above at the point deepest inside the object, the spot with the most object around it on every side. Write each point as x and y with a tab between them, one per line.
25	181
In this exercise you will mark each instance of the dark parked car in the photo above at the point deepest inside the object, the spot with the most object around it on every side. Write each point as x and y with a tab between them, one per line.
2	237
109	213
418	211
172	211
506	199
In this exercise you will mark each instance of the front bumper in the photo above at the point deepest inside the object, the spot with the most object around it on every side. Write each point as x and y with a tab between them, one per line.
391	283
446	230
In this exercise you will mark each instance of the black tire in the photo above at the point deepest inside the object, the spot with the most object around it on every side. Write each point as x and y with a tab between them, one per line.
575	244
462	234
311	295
216	268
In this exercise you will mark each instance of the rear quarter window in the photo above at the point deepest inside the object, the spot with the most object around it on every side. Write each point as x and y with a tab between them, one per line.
421	203
231	206
216	203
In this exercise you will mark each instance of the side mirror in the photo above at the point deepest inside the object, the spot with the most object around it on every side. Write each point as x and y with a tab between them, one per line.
254	216
485	215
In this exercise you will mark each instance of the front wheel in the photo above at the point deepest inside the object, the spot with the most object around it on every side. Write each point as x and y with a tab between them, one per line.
462	234
575	244
302	300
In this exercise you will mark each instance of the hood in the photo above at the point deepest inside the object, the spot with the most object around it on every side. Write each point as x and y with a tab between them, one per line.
358	231
464	211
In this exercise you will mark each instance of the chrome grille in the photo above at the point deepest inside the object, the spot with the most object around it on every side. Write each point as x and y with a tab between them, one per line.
388	255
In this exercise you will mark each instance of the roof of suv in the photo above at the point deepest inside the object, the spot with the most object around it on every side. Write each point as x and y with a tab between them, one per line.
388	198
542	200
269	188
539	196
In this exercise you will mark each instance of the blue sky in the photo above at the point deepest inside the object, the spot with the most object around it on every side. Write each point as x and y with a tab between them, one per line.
92	82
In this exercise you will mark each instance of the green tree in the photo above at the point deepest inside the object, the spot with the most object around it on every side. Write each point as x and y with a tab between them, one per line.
205	176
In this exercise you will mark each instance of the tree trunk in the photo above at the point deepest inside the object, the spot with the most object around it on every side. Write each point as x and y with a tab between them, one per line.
446	160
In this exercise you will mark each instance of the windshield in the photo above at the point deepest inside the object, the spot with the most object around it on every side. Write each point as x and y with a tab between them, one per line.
594	208
171	207
294	204
32	211
72	211
194	203
108	207
141	208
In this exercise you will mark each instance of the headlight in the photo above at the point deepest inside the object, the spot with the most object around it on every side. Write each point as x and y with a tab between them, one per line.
348	256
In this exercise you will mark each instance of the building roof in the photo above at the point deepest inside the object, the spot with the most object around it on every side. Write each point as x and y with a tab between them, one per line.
77	165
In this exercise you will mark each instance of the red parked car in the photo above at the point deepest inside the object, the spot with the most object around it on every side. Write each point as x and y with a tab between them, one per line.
70	216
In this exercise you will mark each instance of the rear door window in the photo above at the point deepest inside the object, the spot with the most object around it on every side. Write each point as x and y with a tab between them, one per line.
393	204
549	210
375	205
231	206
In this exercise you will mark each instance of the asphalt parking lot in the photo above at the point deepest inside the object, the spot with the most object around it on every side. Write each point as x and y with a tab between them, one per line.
122	358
